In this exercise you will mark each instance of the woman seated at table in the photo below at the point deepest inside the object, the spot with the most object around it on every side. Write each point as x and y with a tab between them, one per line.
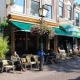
52	53
17	61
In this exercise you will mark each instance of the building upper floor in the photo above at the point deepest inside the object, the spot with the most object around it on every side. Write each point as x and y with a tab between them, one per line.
77	15
58	10
2	9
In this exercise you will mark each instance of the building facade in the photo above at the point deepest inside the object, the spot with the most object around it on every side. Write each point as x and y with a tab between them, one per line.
77	20
26	12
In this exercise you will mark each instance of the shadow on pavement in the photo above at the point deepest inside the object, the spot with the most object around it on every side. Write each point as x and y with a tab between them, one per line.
69	65
78	78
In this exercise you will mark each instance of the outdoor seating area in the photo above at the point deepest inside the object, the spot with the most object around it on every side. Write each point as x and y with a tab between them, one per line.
31	61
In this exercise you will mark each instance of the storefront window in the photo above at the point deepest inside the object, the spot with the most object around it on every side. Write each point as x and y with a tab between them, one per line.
18	6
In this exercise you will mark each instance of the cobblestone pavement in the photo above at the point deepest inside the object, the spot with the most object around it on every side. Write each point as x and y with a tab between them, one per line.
67	70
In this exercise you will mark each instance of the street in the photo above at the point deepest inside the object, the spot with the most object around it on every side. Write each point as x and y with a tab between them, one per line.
67	70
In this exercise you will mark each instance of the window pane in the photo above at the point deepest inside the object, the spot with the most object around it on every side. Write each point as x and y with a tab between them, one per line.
60	3
60	8
69	7
49	2
34	8
69	15
69	12
18	6
60	12
77	19
49	14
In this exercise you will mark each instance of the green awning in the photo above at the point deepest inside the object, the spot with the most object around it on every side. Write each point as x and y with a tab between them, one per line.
69	27
22	26
60	32
76	34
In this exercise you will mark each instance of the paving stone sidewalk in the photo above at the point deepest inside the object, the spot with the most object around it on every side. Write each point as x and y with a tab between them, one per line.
67	70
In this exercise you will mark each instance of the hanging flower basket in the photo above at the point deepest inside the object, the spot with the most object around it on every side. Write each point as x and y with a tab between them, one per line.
42	30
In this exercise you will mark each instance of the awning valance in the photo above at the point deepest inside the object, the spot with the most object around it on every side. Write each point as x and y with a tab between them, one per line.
22	26
60	32
69	28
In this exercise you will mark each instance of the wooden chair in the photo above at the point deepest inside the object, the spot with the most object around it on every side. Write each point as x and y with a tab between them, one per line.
28	58
36	58
7	65
24	62
62	54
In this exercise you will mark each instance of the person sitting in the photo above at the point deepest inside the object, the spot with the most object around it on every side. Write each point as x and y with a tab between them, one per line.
51	53
53	56
17	61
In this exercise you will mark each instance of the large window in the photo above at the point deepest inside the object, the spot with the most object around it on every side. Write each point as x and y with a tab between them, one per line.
60	8
18	6
69	9
48	5
77	18
34	7
69	12
49	14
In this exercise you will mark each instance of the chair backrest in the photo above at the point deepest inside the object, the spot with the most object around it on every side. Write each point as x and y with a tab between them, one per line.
28	57
5	62
23	60
62	51
35	58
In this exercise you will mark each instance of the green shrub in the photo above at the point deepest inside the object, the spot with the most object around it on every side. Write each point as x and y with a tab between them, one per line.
3	47
4	24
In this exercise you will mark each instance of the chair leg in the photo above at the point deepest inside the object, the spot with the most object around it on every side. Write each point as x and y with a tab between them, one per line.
38	65
2	69
6	70
25	66
13	69
31	66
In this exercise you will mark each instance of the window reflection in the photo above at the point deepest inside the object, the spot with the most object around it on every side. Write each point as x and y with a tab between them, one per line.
60	8
34	7
69	12
49	14
18	6
77	18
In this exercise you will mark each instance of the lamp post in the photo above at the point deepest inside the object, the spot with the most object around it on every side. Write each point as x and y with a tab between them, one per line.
42	13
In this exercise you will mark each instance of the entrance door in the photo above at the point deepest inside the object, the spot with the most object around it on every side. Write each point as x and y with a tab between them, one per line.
20	42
